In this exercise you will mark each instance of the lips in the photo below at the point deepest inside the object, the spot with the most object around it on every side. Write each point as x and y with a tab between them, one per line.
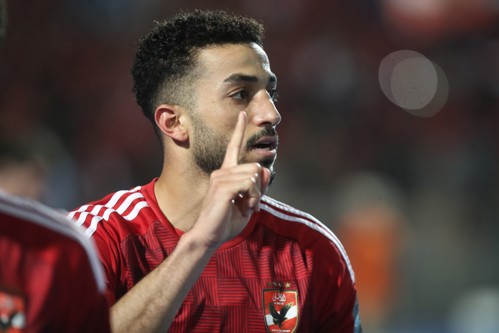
266	142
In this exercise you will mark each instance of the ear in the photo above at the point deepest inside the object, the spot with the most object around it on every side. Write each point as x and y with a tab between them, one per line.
167	118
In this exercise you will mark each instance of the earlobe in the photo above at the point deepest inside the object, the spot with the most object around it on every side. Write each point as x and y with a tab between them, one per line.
167	118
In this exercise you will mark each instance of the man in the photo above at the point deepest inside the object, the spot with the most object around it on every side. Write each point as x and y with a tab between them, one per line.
201	249
50	276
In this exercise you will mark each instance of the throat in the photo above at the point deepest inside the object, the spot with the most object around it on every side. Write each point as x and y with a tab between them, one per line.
180	204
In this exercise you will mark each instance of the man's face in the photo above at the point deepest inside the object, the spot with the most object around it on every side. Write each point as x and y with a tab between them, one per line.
235	77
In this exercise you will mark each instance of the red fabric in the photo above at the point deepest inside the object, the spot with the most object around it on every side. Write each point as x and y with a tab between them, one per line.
46	267
281	248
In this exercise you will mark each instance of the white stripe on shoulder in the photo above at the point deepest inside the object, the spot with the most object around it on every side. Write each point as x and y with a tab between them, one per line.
102	212
133	214
299	216
128	201
117	196
114	199
37	213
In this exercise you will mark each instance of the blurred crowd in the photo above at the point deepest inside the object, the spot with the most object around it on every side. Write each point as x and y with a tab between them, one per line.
415	200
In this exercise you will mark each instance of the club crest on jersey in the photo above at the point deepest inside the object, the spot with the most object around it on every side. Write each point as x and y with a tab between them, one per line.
280	310
12	313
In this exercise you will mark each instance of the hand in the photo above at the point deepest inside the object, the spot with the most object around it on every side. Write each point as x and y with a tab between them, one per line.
233	195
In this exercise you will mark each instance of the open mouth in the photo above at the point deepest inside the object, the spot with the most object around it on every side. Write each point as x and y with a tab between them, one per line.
267	143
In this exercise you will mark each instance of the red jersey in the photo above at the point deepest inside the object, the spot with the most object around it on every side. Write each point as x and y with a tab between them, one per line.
50	277
285	272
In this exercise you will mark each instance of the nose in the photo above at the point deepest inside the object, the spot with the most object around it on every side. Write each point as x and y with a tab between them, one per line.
265	113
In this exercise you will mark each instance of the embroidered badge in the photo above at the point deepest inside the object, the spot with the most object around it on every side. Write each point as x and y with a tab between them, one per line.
280	308
12	313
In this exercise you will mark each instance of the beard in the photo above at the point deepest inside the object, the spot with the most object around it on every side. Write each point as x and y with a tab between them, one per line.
210	148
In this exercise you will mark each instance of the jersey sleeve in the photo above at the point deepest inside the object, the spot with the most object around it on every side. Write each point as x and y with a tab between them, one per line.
108	251
50	272
78	295
337	303
332	282
106	239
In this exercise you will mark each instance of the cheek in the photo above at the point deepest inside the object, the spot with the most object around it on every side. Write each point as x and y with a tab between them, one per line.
227	126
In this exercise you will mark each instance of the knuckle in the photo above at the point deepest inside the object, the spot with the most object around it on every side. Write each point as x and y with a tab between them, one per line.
214	175
216	178
256	167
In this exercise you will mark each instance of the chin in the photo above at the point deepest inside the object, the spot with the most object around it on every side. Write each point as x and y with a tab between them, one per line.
267	163
270	166
272	176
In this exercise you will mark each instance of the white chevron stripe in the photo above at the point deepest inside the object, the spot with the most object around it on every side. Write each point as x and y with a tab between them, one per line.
310	221
126	204
133	214
117	196
110	207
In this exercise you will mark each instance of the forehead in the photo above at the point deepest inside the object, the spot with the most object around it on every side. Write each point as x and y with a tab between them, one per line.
221	61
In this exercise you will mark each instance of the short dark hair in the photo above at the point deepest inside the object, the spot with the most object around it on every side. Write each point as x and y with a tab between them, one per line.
166	57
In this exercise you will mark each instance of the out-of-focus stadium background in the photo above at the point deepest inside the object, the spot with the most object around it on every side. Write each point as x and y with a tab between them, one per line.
414	199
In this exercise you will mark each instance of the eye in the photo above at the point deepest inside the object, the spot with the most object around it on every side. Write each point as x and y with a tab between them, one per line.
241	95
274	94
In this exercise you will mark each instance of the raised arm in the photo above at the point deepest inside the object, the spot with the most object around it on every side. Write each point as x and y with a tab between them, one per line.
234	193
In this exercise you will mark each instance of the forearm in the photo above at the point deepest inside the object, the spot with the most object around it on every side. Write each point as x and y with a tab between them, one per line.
151	305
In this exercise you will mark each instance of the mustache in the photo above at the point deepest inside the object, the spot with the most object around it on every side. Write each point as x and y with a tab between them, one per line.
267	132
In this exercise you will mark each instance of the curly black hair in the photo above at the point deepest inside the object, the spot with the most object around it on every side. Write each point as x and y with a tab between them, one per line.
165	61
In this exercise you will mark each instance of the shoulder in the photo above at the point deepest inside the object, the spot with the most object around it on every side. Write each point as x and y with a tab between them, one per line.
291	222
27	221
27	213
297	219
117	207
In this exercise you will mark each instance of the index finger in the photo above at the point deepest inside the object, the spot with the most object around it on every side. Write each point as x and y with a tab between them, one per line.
235	143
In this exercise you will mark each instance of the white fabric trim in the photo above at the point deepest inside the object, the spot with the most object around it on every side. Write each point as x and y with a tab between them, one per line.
309	221
110	207
53	220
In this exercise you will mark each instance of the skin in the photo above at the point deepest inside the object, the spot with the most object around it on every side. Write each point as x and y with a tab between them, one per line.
232	101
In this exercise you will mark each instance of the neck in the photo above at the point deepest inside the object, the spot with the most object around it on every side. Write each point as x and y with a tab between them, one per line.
180	191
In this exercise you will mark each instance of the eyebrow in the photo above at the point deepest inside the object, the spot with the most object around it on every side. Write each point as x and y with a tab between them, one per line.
234	78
